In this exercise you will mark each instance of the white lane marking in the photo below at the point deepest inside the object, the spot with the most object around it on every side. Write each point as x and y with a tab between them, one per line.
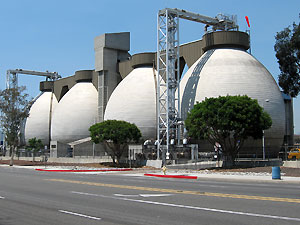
83	193
2	197
144	195
193	207
121	195
212	210
81	215
154	195
217	186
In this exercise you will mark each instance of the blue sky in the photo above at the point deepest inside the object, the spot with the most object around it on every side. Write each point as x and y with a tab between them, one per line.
58	35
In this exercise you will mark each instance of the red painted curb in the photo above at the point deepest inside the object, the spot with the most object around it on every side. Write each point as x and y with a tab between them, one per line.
170	176
107	170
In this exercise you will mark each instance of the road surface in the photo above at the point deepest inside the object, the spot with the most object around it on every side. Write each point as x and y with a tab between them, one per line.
30	197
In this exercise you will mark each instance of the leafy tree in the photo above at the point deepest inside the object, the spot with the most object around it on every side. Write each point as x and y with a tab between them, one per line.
116	135
14	109
34	145
228	120
287	49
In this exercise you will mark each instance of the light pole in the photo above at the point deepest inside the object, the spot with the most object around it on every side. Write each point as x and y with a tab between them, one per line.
263	134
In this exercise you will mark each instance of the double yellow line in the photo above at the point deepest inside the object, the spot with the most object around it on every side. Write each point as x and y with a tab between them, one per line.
209	194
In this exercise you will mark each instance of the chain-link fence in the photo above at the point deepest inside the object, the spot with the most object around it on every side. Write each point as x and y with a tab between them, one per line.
138	155
185	154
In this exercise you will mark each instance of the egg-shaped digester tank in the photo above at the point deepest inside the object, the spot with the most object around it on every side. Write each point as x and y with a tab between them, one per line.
76	111
38	122
230	70
134	101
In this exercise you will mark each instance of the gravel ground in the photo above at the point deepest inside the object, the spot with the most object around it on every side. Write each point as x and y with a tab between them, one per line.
285	171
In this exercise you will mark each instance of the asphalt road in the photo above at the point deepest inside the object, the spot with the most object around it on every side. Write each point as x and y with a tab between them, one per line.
37	198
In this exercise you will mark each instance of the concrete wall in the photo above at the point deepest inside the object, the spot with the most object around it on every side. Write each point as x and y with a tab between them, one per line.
81	160
62	86
191	52
221	39
46	86
293	164
138	60
66	159
84	75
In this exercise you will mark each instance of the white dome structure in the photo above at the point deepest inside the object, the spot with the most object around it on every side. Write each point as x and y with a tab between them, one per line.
37	124
230	71
75	113
134	101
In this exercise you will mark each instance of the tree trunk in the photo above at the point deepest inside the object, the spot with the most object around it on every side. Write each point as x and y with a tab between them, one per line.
233	160
118	159
117	153
227	161
110	152
12	152
113	158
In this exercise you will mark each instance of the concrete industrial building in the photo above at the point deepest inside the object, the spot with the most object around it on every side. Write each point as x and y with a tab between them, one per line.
123	87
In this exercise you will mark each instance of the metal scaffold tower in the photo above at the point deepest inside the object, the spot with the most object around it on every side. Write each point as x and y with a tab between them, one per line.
168	78
168	93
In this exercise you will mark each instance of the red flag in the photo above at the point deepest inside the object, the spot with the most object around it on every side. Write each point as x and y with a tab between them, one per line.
247	19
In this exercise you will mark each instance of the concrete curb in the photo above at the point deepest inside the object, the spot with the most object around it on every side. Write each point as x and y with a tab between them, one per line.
104	170
171	176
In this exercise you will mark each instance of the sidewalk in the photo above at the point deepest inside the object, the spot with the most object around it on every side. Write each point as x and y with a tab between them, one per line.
238	176
182	174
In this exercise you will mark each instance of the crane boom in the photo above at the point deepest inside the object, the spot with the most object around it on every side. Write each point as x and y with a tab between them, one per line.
220	22
51	75
13	81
